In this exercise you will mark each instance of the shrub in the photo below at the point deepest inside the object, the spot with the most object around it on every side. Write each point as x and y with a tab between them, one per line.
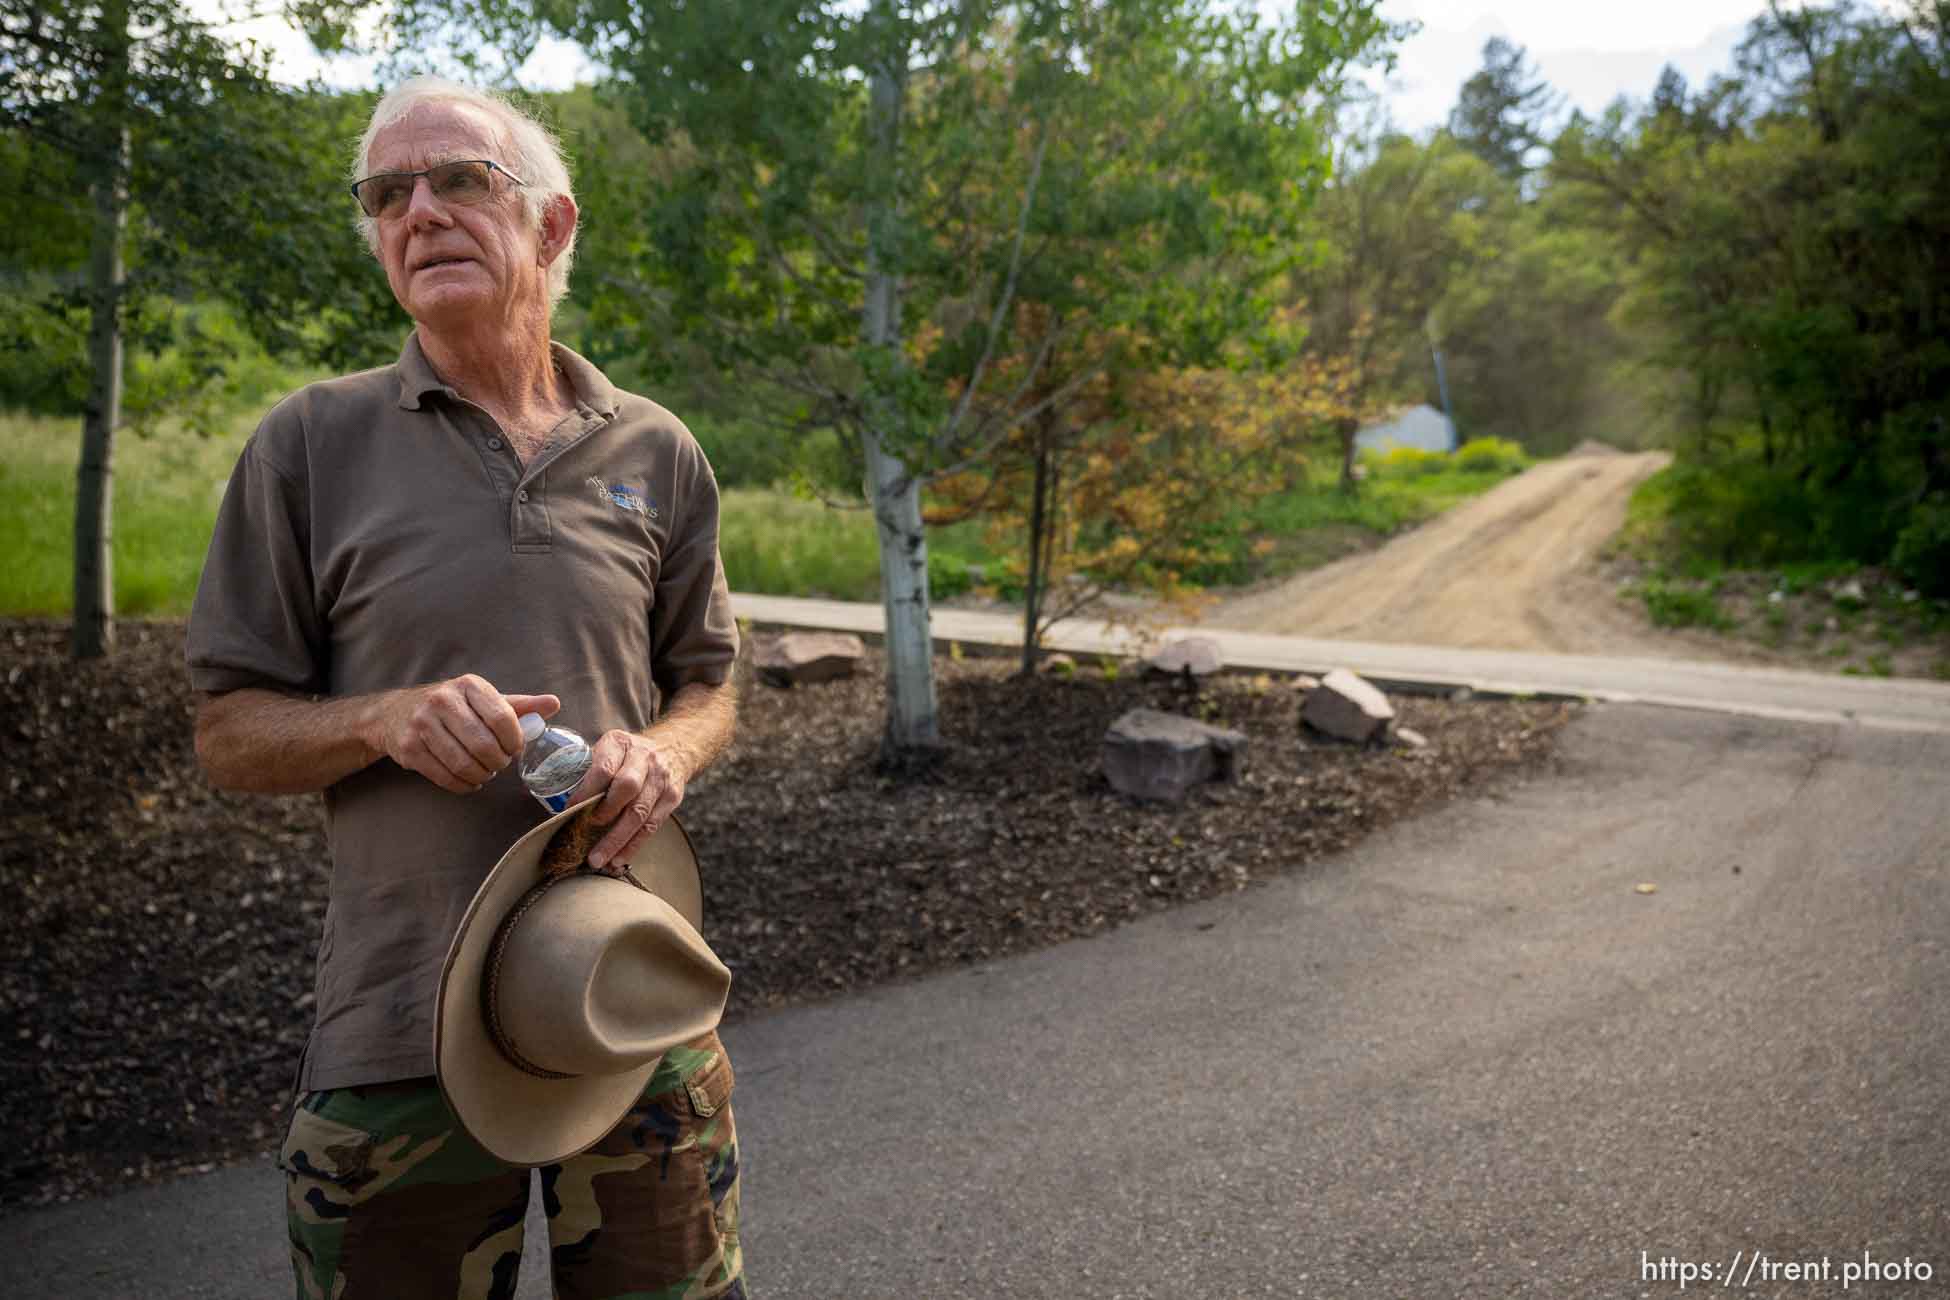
46	370
1408	462
1490	456
188	362
948	575
754	453
1671	605
1922	551
1740	514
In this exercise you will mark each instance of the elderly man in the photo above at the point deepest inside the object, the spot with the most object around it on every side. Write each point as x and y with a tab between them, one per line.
406	560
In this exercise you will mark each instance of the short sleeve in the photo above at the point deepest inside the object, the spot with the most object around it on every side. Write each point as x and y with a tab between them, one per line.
693	635
255	619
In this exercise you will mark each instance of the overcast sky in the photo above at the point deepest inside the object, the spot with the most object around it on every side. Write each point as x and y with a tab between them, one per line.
1589	52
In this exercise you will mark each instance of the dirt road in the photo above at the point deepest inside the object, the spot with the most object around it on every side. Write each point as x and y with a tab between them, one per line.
1511	570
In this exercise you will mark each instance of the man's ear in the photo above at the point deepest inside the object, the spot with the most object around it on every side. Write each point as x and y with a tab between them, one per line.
558	227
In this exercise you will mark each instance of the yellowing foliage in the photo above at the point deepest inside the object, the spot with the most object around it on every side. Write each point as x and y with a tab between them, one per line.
1138	467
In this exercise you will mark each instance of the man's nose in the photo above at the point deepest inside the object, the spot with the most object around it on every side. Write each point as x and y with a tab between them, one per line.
422	208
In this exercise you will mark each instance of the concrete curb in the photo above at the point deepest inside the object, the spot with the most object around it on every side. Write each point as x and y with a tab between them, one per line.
1896	704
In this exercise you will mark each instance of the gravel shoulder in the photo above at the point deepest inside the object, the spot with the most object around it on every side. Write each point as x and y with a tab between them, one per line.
156	959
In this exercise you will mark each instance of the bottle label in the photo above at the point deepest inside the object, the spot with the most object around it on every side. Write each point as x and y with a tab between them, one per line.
556	777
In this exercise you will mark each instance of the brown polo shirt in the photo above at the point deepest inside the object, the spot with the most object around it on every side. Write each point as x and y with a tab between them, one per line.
379	531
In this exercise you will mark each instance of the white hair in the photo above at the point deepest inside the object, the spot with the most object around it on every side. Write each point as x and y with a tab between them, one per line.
537	157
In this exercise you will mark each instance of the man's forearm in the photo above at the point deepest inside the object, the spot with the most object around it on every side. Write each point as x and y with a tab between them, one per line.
697	725
266	742
456	733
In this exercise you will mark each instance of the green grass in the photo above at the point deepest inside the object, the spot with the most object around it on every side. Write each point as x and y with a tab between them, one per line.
1317	523
166	489
778	544
1692	579
168	484
775	544
1671	605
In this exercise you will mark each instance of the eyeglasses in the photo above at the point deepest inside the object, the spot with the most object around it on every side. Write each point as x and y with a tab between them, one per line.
467	182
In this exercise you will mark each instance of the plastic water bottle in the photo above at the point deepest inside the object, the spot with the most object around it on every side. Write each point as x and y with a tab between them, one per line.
553	760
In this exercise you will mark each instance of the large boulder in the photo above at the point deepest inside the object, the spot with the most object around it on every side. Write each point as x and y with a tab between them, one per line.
1153	755
1347	706
801	658
1195	656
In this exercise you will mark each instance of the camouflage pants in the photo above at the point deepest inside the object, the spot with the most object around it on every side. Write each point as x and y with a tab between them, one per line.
387	1196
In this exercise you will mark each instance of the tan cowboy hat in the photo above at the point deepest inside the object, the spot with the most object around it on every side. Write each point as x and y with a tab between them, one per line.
564	988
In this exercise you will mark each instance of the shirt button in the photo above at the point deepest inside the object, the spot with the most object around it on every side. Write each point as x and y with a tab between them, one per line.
522	496
494	444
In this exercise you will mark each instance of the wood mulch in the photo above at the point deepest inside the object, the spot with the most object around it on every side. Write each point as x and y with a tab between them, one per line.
157	942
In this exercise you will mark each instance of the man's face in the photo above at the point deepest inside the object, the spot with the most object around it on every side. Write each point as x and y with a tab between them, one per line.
450	263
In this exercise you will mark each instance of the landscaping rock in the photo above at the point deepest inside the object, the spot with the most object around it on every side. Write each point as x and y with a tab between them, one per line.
1348	707
1153	755
802	658
1195	655
1409	738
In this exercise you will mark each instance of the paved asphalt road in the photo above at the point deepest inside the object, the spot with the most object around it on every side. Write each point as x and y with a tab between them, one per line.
1465	1059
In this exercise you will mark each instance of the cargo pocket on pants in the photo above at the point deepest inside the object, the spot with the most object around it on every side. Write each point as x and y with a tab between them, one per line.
326	1163
716	1135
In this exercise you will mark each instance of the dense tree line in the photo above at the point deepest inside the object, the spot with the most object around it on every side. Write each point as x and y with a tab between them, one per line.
1788	234
1753	273
1088	267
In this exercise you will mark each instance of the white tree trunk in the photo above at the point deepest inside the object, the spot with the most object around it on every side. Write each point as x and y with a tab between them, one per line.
896	496
94	576
892	489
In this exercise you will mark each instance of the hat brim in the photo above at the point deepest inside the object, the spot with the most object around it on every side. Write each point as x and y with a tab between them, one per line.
515	1116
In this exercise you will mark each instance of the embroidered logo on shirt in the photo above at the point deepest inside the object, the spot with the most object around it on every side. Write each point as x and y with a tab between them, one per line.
624	497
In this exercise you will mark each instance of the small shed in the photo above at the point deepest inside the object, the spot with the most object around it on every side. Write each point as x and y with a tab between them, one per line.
1422	427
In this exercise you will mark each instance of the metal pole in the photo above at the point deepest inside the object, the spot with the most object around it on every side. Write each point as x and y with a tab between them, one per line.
1442	387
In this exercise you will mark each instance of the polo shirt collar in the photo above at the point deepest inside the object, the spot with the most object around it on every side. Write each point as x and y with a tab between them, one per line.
416	377
590	386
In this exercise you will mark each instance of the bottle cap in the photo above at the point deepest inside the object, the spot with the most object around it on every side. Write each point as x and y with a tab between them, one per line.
532	727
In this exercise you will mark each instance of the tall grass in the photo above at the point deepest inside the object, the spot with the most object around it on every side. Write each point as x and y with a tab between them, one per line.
166	489
168	485
169	470
777	544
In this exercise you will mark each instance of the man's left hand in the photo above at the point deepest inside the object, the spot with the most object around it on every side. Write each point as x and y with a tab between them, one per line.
641	784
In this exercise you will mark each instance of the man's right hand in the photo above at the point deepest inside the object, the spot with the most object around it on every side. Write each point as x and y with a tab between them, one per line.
457	733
